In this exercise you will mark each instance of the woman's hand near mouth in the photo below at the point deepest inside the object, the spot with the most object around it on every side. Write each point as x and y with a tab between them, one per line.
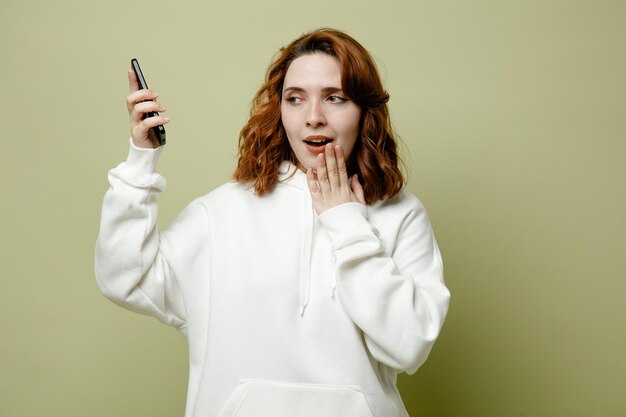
329	184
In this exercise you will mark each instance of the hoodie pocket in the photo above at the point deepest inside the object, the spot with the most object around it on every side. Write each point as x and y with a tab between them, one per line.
259	398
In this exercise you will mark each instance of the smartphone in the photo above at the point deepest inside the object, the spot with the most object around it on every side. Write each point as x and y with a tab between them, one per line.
159	131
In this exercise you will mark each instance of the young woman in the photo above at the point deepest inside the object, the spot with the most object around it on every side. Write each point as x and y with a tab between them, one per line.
306	284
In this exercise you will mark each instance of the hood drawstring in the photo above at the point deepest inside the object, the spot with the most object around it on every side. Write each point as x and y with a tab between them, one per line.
290	175
333	272
307	243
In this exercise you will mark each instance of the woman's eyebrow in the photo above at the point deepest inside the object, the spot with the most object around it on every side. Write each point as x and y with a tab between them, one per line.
330	90
296	89
325	90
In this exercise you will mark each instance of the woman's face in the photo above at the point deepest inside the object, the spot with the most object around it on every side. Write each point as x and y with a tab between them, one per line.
314	110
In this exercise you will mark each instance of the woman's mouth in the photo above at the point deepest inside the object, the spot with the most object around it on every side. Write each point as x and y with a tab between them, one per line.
317	141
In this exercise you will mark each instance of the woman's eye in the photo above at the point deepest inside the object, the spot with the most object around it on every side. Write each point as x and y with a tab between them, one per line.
336	99
293	100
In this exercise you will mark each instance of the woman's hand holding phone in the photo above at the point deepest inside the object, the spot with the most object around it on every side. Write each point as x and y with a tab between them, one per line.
140	127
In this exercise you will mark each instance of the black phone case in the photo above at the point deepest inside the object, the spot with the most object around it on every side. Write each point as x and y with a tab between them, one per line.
159	131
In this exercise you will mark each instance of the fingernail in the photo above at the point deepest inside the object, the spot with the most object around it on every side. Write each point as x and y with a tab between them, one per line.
167	119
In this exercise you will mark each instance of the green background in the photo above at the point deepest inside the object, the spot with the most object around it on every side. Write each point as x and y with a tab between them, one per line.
513	121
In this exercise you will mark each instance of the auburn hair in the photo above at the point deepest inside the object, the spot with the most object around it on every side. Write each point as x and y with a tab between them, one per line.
263	143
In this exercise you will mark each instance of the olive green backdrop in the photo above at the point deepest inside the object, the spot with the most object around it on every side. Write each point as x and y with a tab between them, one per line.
513	120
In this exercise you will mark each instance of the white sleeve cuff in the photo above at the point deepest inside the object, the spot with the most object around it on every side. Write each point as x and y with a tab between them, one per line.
345	223
139	169
141	161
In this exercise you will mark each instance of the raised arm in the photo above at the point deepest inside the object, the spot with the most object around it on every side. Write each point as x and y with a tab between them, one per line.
131	261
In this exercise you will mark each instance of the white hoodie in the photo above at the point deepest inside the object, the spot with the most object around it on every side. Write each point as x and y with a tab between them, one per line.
286	313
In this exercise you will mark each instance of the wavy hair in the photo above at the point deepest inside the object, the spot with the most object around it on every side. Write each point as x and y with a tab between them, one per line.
263	143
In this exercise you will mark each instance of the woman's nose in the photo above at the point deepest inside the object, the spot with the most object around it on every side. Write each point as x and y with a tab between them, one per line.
315	116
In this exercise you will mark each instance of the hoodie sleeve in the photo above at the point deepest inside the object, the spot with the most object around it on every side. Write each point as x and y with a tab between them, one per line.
134	263
397	297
